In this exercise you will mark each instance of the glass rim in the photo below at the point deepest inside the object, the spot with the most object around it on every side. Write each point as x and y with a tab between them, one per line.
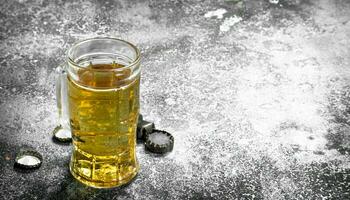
130	65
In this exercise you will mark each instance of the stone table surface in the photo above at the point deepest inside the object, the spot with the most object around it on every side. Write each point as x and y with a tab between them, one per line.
256	94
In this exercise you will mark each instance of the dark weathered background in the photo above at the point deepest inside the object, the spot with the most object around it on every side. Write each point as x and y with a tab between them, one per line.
258	98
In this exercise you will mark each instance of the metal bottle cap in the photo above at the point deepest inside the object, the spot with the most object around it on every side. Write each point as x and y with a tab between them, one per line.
143	128
28	159
159	141
62	134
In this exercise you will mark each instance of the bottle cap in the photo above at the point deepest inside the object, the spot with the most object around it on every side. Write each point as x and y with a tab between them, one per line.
159	141
140	119
62	134
28	159
143	128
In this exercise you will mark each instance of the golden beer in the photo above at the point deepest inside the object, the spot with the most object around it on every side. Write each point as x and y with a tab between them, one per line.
103	109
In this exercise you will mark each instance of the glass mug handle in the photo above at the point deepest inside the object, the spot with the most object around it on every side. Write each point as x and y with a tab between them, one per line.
62	102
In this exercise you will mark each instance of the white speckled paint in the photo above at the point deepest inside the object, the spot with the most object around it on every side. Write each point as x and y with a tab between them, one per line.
258	109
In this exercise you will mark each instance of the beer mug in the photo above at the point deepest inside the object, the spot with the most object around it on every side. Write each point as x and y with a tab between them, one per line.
98	100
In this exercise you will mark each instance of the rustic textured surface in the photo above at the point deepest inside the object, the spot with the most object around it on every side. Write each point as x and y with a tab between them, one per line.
256	94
